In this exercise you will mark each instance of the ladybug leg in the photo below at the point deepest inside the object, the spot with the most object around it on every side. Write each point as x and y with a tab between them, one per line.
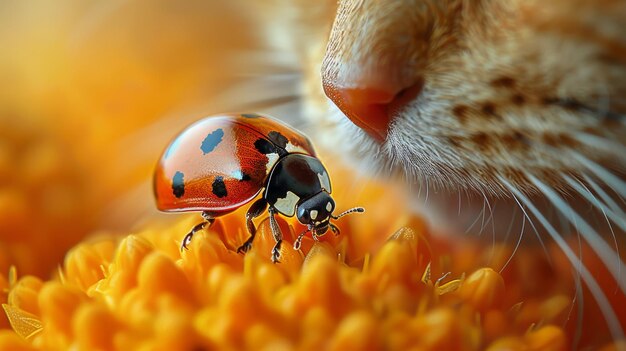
208	219
257	208
278	235
334	228
207	216
298	242
315	236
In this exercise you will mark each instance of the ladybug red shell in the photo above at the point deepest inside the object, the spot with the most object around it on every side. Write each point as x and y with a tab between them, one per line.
220	163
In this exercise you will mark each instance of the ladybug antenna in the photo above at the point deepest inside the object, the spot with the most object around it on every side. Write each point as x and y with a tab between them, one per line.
347	212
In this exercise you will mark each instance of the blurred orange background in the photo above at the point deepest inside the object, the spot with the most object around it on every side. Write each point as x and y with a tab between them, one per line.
93	91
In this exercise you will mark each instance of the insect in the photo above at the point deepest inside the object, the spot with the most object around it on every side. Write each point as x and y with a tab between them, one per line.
220	163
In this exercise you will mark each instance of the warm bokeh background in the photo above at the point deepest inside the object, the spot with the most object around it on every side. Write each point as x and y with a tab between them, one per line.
93	90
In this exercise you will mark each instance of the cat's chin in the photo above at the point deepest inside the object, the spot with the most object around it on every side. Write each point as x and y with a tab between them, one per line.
454	213
501	218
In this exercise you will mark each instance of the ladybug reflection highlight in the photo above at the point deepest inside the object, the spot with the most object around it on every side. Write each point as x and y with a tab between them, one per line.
221	163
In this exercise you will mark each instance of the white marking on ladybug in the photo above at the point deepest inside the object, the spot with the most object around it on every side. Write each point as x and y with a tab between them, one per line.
324	181
292	148
272	158
287	204
329	207
313	214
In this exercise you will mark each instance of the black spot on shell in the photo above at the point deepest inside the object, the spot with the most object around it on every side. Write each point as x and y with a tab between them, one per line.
265	146
278	139
250	115
219	188
244	177
212	140
178	184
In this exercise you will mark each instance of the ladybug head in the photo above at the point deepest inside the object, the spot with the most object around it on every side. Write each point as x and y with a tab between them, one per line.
316	210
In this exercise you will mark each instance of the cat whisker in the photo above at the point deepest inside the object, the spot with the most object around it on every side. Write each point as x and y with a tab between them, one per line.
419	191
607	177
507	234
266	61
605	197
281	73
577	279
616	149
480	214
271	102
579	300
519	241
493	229
608	313
609	215
159	129
482	223
459	196
268	91
612	261
489	219
587	194
532	224
304	125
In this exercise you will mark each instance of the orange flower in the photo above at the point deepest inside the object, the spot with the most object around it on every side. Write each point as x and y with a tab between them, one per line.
139	292
370	287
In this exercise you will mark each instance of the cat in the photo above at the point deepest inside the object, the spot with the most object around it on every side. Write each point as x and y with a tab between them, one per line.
511	108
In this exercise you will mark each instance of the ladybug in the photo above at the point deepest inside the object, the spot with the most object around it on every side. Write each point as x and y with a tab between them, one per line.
220	163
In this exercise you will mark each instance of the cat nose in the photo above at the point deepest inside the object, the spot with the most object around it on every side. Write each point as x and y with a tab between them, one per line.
371	108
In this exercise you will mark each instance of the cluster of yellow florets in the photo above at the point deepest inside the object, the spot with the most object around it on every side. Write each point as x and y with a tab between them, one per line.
372	287
139	292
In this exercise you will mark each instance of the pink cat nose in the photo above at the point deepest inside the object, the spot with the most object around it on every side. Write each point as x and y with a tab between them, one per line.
370	108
